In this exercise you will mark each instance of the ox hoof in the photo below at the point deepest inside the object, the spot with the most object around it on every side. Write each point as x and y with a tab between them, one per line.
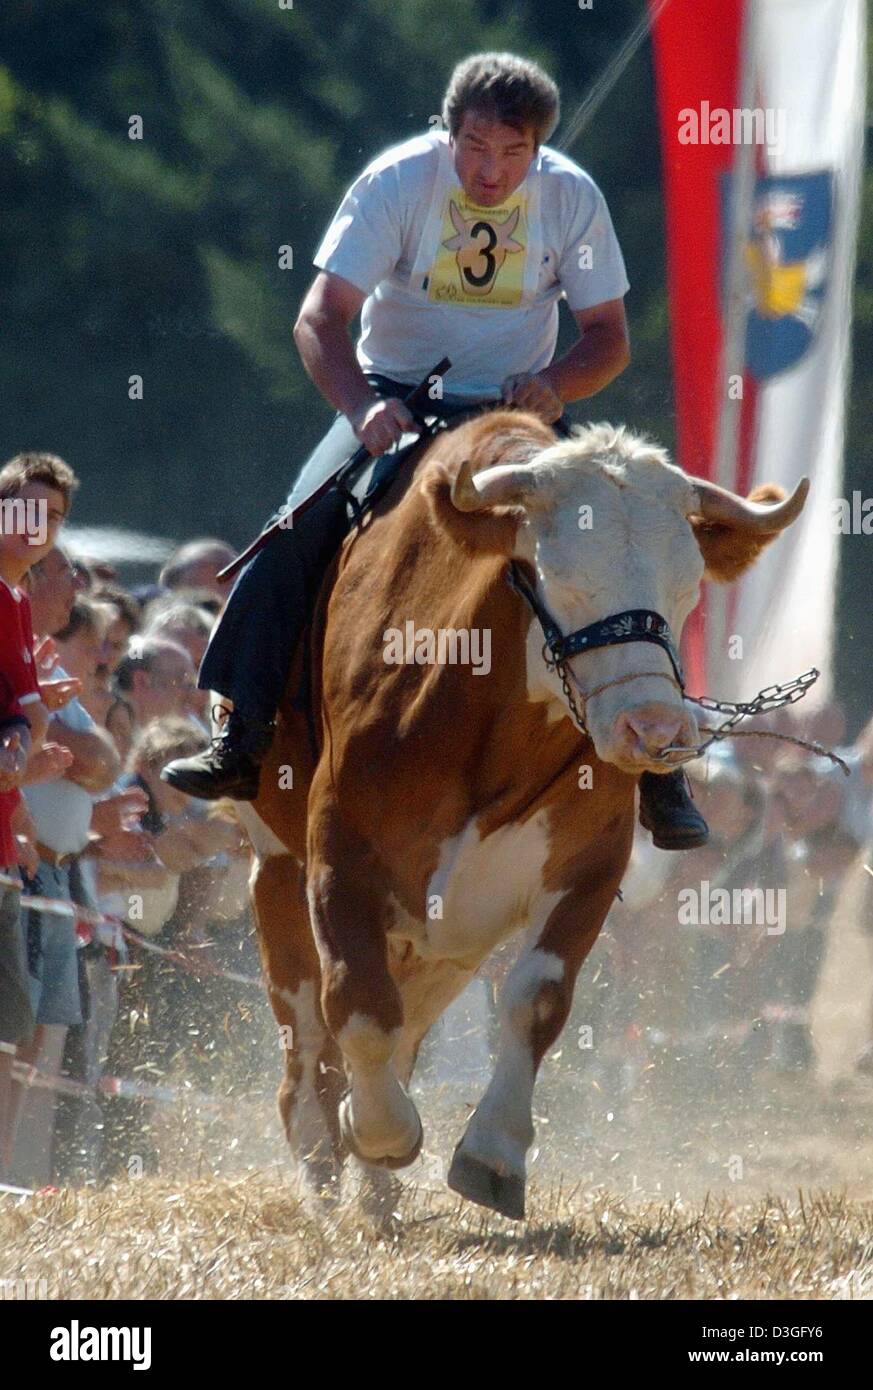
478	1183
387	1160
321	1180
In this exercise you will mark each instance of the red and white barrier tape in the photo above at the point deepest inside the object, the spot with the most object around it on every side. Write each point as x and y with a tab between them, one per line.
121	1086
112	932
195	967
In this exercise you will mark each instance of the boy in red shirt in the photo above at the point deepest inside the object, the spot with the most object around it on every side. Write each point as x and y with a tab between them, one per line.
16	1017
16	1022
35	492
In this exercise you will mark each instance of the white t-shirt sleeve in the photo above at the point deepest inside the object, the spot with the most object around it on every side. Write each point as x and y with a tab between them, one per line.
363	242
591	269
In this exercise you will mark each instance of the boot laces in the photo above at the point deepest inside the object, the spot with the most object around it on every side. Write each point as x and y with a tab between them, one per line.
221	746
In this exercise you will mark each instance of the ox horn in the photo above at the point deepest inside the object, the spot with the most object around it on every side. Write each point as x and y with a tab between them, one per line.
505	485
719	505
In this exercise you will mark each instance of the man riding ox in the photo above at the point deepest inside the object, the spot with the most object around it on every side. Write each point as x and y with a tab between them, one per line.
459	243
490	679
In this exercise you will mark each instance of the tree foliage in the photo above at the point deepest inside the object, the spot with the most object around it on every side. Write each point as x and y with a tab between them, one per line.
161	256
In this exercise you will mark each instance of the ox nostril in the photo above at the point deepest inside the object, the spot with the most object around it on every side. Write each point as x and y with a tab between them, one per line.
652	730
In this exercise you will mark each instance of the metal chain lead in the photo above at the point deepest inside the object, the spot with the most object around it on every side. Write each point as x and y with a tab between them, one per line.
773	697
560	667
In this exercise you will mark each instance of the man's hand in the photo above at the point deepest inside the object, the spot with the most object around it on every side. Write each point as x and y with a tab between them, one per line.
24	830
534	393
128	846
57	693
115	812
27	855
379	424
13	761
46	656
48	764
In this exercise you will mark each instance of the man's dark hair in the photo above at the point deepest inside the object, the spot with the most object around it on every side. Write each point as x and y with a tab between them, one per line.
172	576
141	656
35	467
514	91
129	610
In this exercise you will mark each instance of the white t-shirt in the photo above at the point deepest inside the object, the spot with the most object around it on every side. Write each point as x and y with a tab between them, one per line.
478	285
62	809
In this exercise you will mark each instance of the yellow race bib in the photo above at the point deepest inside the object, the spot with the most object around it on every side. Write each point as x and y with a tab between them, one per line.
482	252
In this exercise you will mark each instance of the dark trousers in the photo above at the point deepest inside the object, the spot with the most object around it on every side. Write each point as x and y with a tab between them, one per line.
249	653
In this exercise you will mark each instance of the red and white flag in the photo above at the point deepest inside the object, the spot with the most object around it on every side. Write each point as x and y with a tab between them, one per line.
761	107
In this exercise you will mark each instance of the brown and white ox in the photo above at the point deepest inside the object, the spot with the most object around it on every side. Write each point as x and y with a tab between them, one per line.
443	812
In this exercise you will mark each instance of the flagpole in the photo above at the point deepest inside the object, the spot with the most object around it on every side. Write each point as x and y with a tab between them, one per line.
731	367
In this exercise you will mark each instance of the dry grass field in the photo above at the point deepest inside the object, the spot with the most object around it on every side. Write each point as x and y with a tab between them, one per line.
636	1204
252	1238
662	1174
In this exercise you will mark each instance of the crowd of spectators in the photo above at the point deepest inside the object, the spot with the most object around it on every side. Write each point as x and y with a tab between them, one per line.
105	678
744	980
98	692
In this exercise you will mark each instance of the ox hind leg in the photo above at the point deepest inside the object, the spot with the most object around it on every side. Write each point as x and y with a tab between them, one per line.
313	1082
362	1005
489	1164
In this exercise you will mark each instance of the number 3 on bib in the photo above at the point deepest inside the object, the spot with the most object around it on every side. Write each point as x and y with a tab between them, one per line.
481	257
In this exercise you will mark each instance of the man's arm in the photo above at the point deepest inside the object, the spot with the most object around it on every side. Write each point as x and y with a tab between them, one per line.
328	354
95	764
38	717
600	354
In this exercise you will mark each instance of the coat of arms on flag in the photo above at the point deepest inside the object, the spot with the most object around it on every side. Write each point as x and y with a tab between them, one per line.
786	258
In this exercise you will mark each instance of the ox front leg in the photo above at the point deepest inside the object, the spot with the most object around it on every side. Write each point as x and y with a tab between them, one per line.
362	1006
489	1164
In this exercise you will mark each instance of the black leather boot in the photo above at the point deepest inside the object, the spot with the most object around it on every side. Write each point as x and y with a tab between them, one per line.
230	766
667	810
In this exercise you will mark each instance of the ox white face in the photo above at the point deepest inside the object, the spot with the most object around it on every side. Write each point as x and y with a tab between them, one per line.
605	529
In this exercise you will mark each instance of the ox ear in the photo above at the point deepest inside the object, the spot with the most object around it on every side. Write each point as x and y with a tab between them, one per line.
732	531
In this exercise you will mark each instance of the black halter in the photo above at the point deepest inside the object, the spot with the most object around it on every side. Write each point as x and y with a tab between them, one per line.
631	625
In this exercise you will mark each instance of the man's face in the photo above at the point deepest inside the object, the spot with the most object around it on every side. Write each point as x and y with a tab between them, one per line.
53	589
194	642
118	634
82	653
42	509
491	159
200	573
169	687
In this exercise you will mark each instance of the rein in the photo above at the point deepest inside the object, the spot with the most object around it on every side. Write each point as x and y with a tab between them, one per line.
645	625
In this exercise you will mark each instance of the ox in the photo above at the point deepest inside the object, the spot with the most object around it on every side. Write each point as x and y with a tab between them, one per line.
442	811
